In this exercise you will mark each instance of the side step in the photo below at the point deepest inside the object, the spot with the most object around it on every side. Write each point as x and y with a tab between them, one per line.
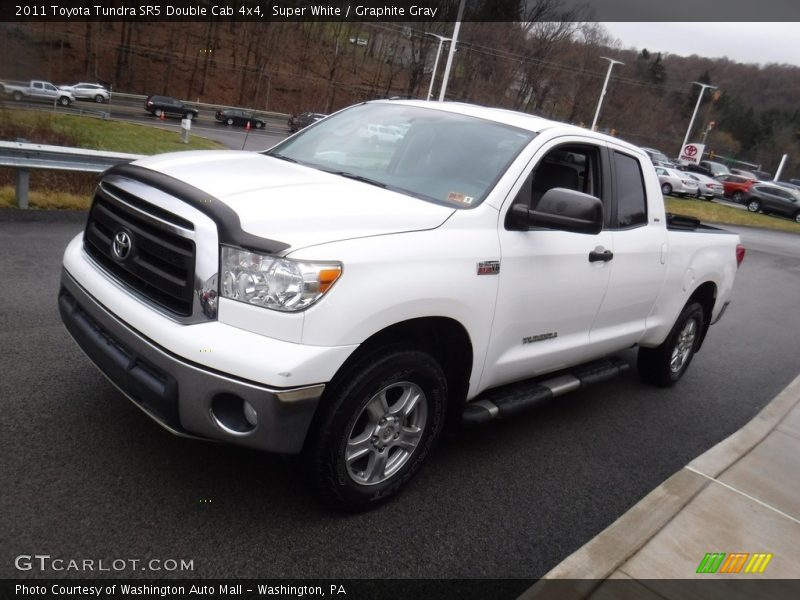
513	399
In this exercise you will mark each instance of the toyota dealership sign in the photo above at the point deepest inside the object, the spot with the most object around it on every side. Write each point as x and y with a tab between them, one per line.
692	153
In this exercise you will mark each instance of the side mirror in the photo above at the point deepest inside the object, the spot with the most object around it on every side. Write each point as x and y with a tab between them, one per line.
561	209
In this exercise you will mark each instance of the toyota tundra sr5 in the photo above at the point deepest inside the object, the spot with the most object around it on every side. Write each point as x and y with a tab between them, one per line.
343	298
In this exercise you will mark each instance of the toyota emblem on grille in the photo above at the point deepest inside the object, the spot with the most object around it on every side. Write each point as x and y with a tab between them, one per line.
122	245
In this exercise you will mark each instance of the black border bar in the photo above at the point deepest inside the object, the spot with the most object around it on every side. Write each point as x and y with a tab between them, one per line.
431	11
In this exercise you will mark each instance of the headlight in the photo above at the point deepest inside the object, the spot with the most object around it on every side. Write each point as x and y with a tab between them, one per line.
277	283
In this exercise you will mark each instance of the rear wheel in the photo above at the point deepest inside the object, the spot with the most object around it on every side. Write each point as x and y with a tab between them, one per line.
664	365
797	217
229	121
259	124
377	428
737	196
754	206
158	112
666	189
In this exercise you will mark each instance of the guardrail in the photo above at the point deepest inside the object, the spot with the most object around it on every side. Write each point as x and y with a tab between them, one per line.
25	157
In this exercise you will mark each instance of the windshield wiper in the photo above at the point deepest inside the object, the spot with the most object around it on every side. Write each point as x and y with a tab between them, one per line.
357	178
282	157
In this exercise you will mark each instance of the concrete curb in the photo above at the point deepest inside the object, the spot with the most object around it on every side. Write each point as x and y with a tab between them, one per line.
611	548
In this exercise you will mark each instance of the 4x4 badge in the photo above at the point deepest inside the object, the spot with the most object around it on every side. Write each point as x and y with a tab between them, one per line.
122	245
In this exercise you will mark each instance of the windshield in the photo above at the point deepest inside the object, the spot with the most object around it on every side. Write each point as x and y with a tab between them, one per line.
432	154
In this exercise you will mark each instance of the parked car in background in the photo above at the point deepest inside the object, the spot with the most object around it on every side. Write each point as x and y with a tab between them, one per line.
714	168
735	186
658	158
88	91
762	175
235	116
674	182
745	173
770	199
169	107
298	122
707	187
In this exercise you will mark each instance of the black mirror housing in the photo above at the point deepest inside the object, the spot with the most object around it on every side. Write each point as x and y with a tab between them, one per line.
561	209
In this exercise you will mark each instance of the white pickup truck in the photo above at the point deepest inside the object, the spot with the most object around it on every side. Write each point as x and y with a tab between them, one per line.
343	301
38	90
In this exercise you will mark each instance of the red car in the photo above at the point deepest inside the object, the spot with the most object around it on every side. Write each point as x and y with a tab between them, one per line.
735	187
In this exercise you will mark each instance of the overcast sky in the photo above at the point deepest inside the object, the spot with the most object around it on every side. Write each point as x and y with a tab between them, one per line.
743	42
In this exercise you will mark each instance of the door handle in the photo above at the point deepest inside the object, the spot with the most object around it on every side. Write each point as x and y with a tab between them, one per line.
600	255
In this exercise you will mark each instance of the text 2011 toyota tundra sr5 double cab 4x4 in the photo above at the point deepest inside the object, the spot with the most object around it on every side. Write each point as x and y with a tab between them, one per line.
342	301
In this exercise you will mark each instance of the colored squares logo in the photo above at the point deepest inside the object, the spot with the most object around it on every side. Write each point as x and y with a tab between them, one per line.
733	563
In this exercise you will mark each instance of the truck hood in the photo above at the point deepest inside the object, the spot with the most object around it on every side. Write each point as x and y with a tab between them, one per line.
294	204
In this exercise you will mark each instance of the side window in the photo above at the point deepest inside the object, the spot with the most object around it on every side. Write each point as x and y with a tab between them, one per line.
629	188
572	166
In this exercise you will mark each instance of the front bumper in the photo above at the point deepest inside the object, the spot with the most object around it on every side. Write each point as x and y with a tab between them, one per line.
184	397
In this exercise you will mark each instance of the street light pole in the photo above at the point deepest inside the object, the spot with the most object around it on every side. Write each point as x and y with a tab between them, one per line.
436	62
703	87
450	54
611	63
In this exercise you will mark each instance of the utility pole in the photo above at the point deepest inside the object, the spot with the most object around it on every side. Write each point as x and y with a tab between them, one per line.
450	54
611	63
436	62
703	87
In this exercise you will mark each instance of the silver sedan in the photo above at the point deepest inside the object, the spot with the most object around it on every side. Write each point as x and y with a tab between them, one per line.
708	187
676	182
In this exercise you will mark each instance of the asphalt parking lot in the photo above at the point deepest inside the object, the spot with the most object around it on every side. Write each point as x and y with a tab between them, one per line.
86	475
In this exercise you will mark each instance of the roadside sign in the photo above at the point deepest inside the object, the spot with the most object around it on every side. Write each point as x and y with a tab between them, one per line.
692	153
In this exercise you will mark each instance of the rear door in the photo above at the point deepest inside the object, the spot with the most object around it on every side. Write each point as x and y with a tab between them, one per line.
639	265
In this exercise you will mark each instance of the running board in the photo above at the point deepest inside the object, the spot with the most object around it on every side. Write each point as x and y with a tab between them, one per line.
513	399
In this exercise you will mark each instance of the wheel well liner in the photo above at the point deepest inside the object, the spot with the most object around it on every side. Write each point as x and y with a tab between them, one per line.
706	296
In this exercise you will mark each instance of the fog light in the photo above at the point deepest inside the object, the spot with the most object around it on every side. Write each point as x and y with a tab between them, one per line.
233	414
250	414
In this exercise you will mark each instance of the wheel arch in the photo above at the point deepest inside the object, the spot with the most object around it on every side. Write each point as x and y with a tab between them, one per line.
444	338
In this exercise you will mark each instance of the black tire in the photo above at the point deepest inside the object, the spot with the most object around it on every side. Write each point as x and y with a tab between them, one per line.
797	217
666	189
259	124
158	112
380	446
18	96
737	196
664	365
64	101
754	206
99	99
228	121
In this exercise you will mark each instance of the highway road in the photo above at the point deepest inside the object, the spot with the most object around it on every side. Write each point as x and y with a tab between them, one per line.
132	111
85	475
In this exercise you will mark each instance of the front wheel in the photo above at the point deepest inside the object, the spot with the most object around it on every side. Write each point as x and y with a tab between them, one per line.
666	189
797	217
63	101
754	206
737	197
18	96
259	124
99	99
664	365
229	121
377	428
